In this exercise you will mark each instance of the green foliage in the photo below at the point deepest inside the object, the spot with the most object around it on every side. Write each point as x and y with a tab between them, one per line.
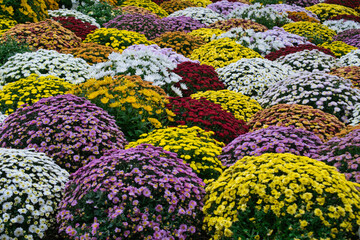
101	11
9	47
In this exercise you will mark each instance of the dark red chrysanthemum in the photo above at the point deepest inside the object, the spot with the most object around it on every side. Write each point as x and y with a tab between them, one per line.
208	116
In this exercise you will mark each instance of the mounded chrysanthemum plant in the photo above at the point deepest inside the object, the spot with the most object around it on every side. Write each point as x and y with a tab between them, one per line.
192	144
30	90
281	196
137	106
139	193
324	125
67	128
31	187
273	139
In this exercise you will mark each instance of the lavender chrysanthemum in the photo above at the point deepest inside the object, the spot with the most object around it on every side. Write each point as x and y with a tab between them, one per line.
182	24
344	154
136	193
69	129
271	140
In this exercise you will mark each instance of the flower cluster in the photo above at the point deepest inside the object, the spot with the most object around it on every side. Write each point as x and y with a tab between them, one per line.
314	32
221	52
301	17
273	139
117	39
204	15
292	8
80	28
30	90
350	59
355	120
329	93
266	16
339	48
147	4
182	23
47	34
69	129
150	66
168	52
225	7
289	50
73	13
341	25
324	125
281	196
139	193
44	62
24	11
351	37
346	3
303	3
264	42
171	6
208	116
252	77
201	3
343	153
351	72
325	11
180	42
6	23
241	106
101	11
309	60
192	144
349	128
92	53
207	34
30	190
197	77
149	25
136	105
135	10
228	24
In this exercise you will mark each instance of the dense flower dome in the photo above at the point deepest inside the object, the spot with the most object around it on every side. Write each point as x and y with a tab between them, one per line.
133	194
69	129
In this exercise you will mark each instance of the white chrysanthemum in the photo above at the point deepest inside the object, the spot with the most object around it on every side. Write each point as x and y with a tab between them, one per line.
28	178
263	42
350	59
341	25
2	118
151	66
73	13
44	62
204	15
307	60
253	76
260	14
329	93
355	119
